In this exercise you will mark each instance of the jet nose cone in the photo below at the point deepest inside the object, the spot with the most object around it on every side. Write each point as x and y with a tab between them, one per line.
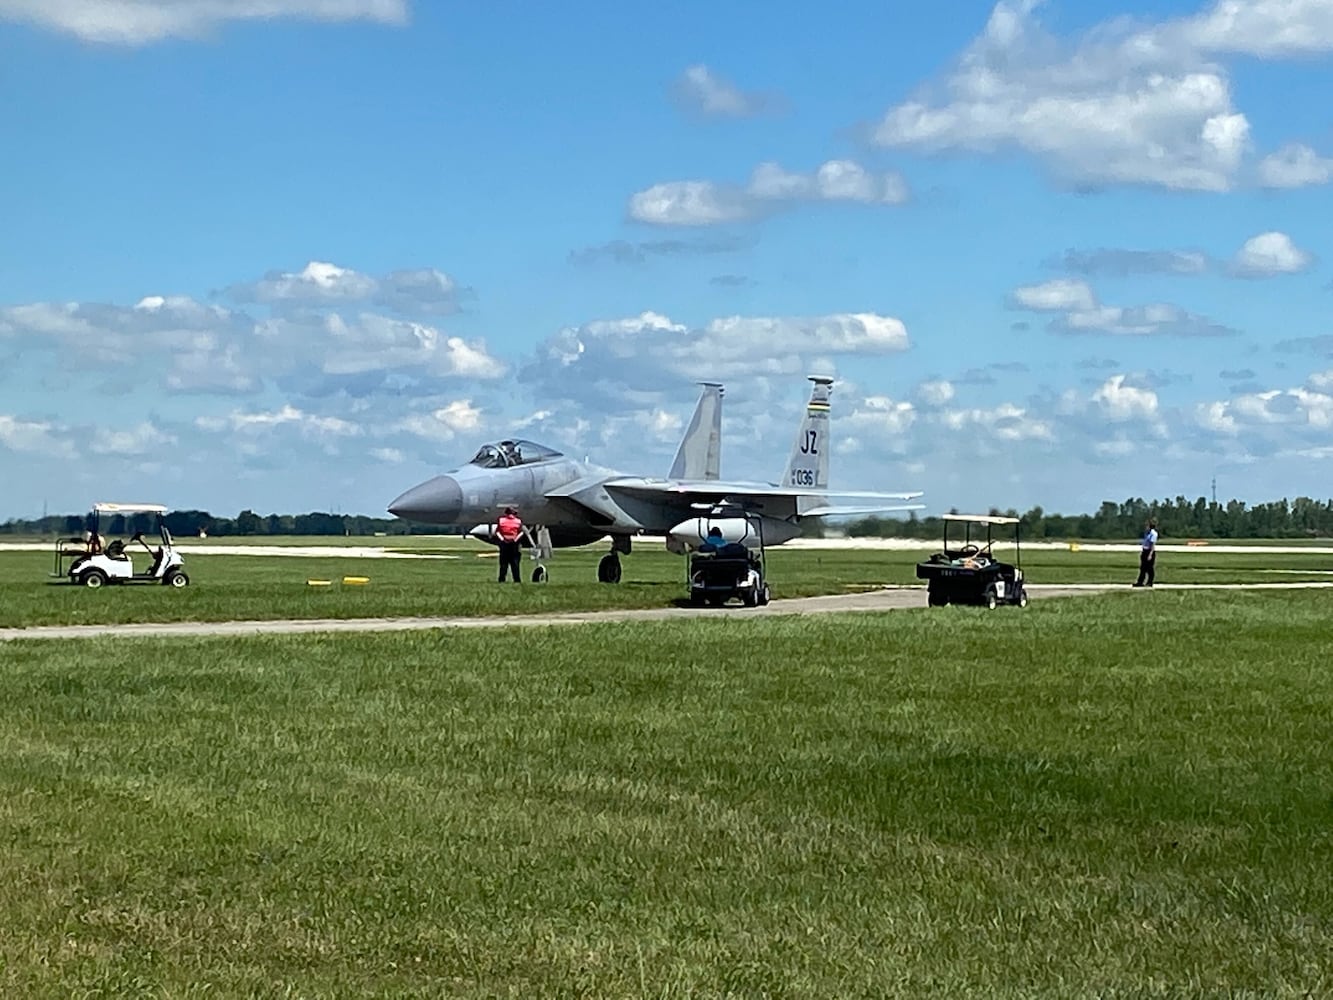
436	501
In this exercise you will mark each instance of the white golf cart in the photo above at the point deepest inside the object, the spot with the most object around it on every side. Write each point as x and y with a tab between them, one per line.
92	561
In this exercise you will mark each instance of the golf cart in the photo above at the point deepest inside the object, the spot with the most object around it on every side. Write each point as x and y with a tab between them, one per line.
92	561
732	565
970	574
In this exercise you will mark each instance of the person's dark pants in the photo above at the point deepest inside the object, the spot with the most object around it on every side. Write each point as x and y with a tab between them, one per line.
511	558
1147	568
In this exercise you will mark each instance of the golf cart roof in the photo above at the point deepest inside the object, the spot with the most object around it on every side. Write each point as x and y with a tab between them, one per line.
981	518
130	508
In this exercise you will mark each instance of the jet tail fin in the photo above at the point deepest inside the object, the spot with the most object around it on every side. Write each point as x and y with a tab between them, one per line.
808	466
700	452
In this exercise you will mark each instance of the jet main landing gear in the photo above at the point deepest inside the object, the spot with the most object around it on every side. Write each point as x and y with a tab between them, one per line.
608	568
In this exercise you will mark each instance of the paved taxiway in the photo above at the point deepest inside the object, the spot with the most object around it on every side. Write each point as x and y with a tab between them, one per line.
886	599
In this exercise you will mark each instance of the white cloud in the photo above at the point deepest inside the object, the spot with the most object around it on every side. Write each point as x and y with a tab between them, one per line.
1126	103
185	345
702	91
1264	28
317	282
611	363
935	393
1121	402
139	22
142	439
1057	295
1081	312
1295	165
1270	254
445	423
35	436
320	283
375	343
770	188
261	421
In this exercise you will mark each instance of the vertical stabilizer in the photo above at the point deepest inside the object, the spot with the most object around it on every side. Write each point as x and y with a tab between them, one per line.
700	452
808	466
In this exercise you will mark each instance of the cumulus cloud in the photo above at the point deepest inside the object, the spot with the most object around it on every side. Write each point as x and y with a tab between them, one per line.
320	283
139	22
260	421
1270	254
445	423
192	347
1058	295
1120	402
701	91
1118	106
1081	312
1295	165
771	187
1126	103
35	436
189	347
607	362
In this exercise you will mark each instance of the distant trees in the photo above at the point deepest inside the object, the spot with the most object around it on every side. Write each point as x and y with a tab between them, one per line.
1178	518
187	523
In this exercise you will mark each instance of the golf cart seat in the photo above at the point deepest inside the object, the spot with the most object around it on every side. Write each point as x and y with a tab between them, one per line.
116	550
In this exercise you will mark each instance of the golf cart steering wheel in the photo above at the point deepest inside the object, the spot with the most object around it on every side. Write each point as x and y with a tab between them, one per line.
968	550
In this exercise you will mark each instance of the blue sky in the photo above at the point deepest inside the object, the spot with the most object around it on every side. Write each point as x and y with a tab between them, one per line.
300	254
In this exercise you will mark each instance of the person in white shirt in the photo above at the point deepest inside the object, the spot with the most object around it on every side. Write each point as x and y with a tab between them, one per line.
1148	555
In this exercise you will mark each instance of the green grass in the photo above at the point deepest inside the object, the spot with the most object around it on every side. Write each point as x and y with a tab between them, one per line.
1113	797
226	588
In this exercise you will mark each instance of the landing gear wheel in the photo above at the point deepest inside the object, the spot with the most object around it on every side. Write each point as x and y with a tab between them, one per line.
608	570
539	574
176	579
92	578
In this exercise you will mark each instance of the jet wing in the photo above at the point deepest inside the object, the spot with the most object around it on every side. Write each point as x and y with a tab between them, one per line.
782	501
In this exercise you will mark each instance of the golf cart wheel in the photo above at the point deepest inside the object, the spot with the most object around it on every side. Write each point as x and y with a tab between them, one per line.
765	595
992	599
92	578
176	579
1023	598
935	600
608	570
539	574
749	597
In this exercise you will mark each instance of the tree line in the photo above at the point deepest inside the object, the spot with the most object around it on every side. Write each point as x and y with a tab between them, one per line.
183	523
1178	518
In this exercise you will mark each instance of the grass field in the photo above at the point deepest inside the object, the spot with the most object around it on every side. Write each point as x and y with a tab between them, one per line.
460	580
1111	797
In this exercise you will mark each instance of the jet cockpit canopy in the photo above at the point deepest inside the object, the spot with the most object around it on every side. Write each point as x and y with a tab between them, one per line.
504	454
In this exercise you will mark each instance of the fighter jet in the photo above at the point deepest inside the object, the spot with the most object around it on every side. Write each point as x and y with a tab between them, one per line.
565	502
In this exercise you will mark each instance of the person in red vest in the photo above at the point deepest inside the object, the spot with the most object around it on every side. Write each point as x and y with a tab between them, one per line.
509	529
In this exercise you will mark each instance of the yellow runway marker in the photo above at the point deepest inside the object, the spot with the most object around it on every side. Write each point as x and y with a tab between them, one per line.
319	583
356	580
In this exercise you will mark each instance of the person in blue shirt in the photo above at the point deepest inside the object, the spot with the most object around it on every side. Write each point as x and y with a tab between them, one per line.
1148	555
714	541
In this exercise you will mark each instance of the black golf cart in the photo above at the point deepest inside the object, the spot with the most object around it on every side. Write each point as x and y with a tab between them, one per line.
726	569
970	574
